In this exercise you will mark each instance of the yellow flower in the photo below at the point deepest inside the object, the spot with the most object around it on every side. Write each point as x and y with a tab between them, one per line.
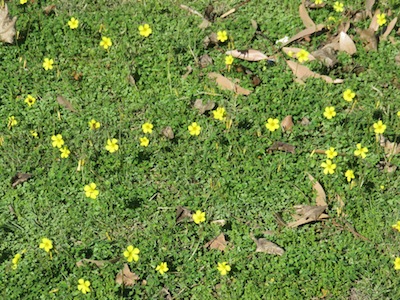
199	217
162	268
30	100
302	56
272	124
34	133
112	145
57	140
223	268
222	36
194	129
361	151
317	2
83	286
147	127
22	1
15	260
145	30
131	253
379	127
398	113
105	42
332	19
348	95
64	152
397	263
331	153
329	112
338	6
90	190
81	163
381	19
46	245
290	53
12	122
349	175
73	23
48	64
329	167
219	114
228	60
93	124
396	226
144	141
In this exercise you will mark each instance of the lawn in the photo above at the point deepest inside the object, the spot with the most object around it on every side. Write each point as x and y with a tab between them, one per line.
141	160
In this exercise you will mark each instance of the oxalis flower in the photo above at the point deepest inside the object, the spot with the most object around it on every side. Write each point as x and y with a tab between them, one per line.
83	286
331	153
57	140
349	175
348	95
147	127
272	124
105	42
144	141
48	64
338	6
162	268
112	145
329	112
30	100
131	253
381	19
93	124
91	191
145	30
379	127
397	263
12	121
329	167
361	151
222	36
302	56
73	23
194	129
223	268
219	114
228	60
396	226
199	217
317	2
46	244
65	152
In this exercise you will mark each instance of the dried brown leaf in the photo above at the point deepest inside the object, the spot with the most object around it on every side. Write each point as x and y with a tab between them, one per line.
302	72
126	277
220	222
287	123
307	214
368	6
218	243
98	263
389	28
374	22
304	33
205	60
305	121
168	133
281	146
65	103
183	214
386	166
390	148
321	196
326	55
19	178
225	84
49	9
369	38
7	26
166	293
210	40
265	246
198	104
249	55
307	21
346	44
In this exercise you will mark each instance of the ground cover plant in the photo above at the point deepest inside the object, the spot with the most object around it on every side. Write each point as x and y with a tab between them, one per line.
197	150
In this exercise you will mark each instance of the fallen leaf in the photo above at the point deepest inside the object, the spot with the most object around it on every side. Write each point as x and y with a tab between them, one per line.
249	55
265	246
166	293
209	13
205	60
390	148
218	243
168	133
98	263
305	17
389	28
77	76
302	72
7	26
65	103
198	104
374	22
183	214
346	44
19	178
287	123
49	9
368	6
305	121
126	277
281	146
369	38
326	55
210	40
305	32
225	84
221	222
321	195
307	214
188	72
386	166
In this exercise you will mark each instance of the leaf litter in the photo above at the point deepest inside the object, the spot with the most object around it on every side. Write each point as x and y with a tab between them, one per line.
265	246
218	243
7	26
126	277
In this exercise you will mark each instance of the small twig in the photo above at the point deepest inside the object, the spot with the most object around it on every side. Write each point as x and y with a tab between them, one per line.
229	12
191	10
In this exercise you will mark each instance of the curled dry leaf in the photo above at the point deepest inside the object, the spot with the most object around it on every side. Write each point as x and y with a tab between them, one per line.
287	123
326	55
166	293
126	277
374	22
346	44
65	103
266	246
218	243
205	60
249	55
210	40
183	214
49	9
281	146
369	39
220	222
19	178
390	148
198	104
321	195
302	72
7	26
304	33
389	29
386	166
307	21
168	133
368	6
225	84
307	214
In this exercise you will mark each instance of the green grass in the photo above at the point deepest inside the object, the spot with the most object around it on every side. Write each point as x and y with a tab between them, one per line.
225	172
